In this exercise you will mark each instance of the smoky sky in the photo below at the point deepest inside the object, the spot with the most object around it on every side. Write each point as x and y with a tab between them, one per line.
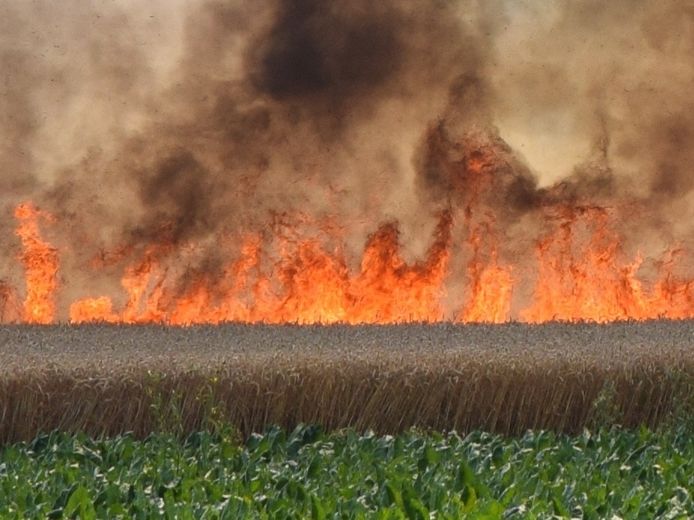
316	49
180	120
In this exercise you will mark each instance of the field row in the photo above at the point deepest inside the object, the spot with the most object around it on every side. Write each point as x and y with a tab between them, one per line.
107	380
308	474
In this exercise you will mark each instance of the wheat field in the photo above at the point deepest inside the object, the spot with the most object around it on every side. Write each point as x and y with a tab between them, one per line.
109	379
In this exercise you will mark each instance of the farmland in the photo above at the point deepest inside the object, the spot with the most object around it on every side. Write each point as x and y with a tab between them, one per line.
556	419
311	474
110	379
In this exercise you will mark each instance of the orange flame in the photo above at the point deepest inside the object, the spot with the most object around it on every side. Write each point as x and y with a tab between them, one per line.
581	275
93	309
491	287
585	281
40	262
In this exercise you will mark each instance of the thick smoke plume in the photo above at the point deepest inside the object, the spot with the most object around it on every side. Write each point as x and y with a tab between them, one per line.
137	123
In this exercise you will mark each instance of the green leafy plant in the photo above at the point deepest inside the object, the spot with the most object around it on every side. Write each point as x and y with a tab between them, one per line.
307	473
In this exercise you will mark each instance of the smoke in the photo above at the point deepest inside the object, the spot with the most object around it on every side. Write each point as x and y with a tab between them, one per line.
610	80
173	121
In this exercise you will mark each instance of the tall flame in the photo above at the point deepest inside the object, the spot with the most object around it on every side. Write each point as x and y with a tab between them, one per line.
584	280
491	288
580	275
40	261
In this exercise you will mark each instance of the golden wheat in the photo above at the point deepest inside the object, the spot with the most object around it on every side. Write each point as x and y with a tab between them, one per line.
109	379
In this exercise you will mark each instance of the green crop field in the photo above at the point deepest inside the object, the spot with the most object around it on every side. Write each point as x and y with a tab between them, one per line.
310	474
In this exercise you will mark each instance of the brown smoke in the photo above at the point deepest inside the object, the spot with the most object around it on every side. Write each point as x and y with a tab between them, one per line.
176	120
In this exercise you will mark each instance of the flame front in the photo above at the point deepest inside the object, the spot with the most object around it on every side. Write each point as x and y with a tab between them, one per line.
577	278
586	281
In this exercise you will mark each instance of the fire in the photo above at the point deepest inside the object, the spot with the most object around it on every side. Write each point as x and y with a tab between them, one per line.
584	280
387	290
311	285
40	261
580	274
491	288
93	309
